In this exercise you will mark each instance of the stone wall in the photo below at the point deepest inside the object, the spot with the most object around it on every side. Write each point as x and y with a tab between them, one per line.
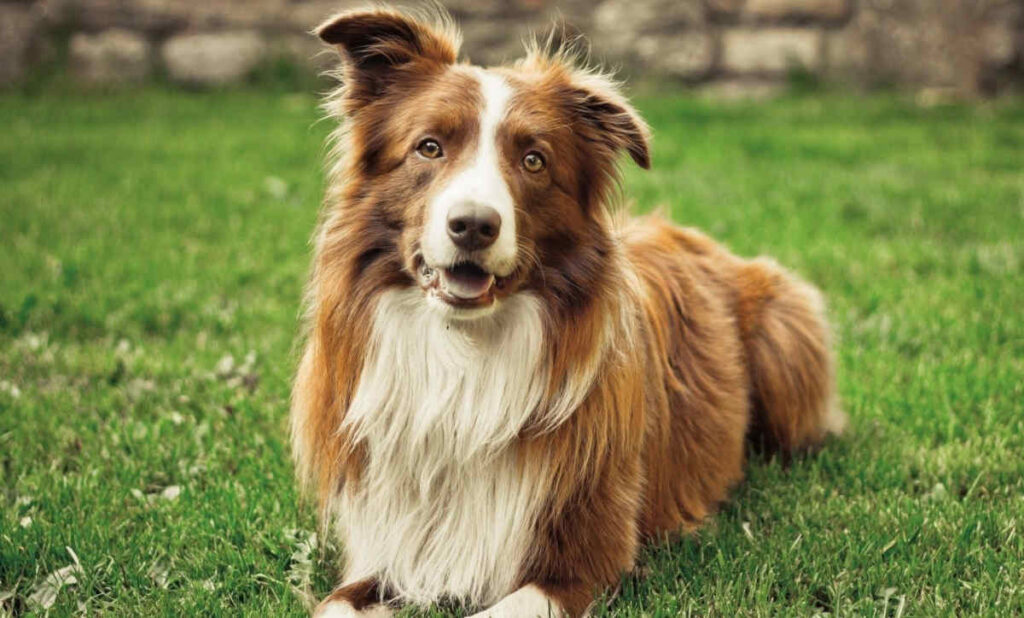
727	46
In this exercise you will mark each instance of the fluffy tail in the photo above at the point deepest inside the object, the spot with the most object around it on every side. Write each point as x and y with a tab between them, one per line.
786	336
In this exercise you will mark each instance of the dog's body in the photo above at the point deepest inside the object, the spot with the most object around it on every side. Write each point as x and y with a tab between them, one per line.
504	391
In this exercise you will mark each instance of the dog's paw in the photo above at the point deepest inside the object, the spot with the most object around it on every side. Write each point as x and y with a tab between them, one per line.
527	602
344	609
335	609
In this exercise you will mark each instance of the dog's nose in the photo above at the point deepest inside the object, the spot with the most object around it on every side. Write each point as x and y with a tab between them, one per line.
473	226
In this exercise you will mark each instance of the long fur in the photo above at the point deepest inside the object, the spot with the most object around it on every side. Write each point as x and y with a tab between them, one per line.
442	505
607	399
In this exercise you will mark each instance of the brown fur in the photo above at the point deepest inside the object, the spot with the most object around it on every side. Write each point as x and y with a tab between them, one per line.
695	346
359	595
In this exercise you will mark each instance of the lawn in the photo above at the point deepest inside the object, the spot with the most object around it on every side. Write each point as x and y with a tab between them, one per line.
153	247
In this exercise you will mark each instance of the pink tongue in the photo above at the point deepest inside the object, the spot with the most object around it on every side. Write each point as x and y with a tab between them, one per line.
466	284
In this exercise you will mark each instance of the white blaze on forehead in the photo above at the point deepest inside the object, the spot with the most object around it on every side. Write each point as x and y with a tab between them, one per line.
480	181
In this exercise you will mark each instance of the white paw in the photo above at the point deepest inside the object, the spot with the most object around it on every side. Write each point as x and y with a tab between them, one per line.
835	421
344	609
335	609
527	602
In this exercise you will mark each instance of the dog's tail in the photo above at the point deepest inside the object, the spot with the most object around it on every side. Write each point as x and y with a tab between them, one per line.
787	342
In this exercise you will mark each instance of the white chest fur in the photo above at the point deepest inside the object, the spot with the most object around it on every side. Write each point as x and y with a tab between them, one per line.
442	510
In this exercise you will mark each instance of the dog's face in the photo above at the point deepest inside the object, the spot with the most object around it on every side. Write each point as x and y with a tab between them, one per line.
478	183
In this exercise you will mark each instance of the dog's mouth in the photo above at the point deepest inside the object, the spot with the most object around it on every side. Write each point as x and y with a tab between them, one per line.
462	285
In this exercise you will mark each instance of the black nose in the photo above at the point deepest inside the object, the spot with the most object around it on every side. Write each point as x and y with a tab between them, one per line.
473	226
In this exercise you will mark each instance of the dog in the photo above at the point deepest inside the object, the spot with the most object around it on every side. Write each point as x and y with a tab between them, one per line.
507	385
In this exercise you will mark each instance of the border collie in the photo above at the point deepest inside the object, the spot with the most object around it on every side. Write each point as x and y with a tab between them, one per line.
506	388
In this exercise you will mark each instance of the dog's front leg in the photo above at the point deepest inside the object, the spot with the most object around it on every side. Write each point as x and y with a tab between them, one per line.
360	599
527	602
344	609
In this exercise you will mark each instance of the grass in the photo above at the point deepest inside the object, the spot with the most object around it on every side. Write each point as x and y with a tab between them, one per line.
153	247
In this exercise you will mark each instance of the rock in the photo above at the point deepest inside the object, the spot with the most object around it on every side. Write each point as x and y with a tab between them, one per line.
660	37
961	48
111	56
830	10
724	10
847	55
772	50
897	45
999	43
234	15
965	45
18	27
212	59
150	16
687	55
617	23
163	17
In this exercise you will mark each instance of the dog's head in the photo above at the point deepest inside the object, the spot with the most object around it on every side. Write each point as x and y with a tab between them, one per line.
474	183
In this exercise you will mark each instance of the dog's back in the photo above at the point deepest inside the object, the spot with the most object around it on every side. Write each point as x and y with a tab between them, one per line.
738	349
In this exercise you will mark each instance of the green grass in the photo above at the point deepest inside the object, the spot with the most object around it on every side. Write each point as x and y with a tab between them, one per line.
145	237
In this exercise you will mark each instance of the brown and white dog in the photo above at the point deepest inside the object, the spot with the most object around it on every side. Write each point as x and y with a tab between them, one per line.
505	389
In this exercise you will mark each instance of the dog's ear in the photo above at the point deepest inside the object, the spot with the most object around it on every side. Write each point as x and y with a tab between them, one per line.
607	117
377	44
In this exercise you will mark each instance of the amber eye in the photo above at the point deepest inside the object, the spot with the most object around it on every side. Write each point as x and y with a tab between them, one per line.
533	162
430	149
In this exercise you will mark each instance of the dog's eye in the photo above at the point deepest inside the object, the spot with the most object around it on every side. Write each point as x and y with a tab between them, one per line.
533	162
430	149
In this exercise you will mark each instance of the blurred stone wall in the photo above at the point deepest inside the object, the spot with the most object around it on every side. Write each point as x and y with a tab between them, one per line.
727	46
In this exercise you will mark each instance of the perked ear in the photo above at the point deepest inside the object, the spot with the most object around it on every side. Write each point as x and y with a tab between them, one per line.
604	116
600	105
375	44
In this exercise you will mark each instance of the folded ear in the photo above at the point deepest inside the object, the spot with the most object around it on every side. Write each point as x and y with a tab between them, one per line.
375	44
609	118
